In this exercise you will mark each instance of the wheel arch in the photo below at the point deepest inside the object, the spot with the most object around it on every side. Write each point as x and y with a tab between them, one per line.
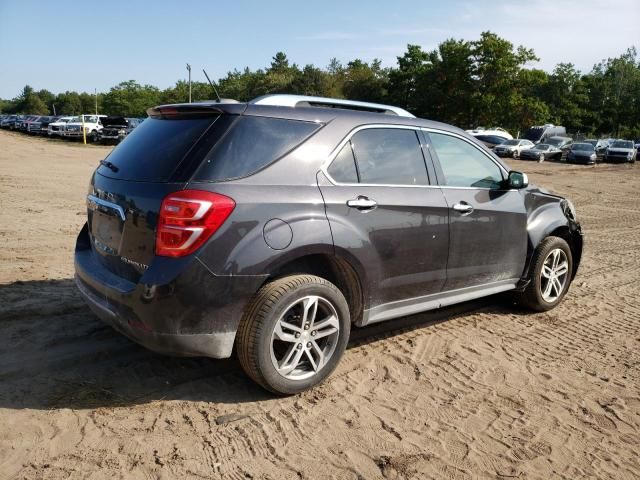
341	270
552	221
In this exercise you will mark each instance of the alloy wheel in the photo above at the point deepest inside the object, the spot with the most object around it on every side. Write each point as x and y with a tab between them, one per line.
554	275
304	337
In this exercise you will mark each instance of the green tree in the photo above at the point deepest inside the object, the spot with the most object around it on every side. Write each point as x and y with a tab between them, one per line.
33	104
483	82
68	103
335	79
240	85
363	81
311	81
404	81
495	73
613	88
29	102
566	96
448	87
278	78
130	99
47	98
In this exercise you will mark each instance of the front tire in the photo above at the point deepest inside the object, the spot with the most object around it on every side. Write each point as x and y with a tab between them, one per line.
550	275
293	333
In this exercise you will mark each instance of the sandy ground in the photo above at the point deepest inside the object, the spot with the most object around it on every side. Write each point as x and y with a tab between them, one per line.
483	390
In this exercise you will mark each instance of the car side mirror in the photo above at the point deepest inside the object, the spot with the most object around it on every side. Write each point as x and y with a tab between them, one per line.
517	180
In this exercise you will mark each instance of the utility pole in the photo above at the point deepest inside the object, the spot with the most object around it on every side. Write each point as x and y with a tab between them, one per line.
54	109
95	92
189	70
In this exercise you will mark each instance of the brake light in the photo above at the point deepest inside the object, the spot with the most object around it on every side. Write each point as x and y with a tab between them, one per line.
188	218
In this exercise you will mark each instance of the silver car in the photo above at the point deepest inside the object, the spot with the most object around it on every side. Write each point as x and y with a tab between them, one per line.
620	151
512	148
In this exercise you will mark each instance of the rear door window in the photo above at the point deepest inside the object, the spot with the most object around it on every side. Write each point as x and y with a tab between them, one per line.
155	148
390	156
343	167
251	144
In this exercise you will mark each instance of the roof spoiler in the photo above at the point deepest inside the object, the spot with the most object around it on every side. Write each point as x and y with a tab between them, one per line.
198	109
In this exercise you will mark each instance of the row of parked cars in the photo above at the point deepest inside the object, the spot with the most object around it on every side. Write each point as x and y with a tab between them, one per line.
98	128
550	142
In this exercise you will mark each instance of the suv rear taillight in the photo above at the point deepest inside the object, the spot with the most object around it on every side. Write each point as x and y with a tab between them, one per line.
188	218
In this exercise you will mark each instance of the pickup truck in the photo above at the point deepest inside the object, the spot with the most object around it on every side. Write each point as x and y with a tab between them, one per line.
92	127
57	127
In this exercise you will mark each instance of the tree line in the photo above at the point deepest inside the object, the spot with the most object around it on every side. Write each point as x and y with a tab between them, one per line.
483	82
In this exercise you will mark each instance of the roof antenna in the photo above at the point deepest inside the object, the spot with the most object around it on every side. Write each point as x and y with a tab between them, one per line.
212	85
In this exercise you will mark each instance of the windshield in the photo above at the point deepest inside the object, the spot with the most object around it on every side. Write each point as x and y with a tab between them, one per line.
90	119
583	147
555	141
622	144
541	147
511	142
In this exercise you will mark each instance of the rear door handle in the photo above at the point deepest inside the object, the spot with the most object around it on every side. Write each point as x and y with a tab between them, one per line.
362	203
463	207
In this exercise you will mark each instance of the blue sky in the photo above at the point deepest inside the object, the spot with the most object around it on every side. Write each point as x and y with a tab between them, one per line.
81	46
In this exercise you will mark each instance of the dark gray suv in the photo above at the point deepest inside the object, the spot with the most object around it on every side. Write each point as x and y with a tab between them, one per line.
275	226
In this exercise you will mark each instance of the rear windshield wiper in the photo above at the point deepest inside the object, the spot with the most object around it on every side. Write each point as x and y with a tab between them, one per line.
109	165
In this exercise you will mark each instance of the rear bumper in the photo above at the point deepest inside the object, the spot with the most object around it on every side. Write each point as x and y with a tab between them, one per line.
177	308
617	158
504	154
215	345
582	160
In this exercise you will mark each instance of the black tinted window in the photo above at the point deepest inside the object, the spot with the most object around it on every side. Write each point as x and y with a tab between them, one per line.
463	164
154	149
389	156
343	167
252	144
491	139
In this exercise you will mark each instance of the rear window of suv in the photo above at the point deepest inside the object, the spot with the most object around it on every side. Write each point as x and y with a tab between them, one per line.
251	144
155	148
217	148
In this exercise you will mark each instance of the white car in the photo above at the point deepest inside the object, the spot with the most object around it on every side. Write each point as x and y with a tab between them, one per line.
57	127
495	131
513	147
92	127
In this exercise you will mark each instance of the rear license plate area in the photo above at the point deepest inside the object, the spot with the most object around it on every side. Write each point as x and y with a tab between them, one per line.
106	231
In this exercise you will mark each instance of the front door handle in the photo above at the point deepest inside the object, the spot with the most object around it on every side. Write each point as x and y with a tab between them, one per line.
362	203
463	207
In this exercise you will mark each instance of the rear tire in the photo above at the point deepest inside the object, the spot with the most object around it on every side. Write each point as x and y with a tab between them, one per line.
293	333
550	275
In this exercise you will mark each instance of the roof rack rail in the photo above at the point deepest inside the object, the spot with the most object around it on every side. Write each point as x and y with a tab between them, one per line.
282	100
